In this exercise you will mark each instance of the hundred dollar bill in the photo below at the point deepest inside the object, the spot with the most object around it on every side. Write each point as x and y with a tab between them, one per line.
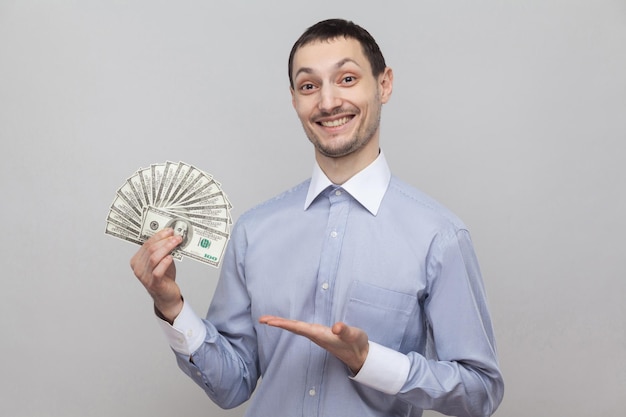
181	177
156	174
122	206
135	184
202	217
199	242
120	226
200	184
121	232
145	179
188	198
219	211
215	223
215	199
118	217
174	173
117	227
166	178
127	194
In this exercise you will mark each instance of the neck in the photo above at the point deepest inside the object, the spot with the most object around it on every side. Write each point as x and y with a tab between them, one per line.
341	169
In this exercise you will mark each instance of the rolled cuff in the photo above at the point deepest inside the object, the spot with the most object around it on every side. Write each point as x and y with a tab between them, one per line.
187	332
384	370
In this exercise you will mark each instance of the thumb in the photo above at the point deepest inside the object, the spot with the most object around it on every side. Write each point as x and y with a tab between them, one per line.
342	330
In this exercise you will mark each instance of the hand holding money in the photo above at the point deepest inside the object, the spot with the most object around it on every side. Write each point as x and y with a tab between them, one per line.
172	210
177	196
154	266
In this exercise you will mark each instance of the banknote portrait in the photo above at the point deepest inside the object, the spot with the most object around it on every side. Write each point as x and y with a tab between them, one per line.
183	228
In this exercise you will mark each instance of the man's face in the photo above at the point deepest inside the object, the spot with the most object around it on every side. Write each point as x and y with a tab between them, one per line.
336	96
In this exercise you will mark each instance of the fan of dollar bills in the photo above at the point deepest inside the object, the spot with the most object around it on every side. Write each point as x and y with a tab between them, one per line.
176	195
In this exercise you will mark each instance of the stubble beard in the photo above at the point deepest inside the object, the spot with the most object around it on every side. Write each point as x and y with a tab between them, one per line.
360	139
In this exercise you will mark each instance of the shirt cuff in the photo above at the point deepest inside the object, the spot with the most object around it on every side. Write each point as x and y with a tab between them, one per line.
187	333
385	370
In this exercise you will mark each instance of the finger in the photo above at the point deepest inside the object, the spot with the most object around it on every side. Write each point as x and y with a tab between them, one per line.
347	333
158	249
160	235
315	332
340	329
162	267
294	326
140	256
276	321
154	259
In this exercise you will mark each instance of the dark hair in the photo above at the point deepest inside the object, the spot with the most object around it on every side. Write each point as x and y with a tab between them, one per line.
335	28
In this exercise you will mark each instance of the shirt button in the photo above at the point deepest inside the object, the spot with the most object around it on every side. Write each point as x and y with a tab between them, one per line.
312	392
189	333
337	192
333	234
325	286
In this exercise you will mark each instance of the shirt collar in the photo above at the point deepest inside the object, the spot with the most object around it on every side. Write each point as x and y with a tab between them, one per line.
367	186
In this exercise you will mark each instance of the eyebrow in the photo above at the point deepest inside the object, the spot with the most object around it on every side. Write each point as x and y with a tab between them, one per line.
338	65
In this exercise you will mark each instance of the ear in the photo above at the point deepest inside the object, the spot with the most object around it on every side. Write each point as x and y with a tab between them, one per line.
385	83
293	97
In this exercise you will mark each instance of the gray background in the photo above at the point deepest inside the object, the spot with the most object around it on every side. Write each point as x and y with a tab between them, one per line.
512	113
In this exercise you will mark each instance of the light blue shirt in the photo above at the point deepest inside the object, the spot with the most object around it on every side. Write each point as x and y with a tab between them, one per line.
375	253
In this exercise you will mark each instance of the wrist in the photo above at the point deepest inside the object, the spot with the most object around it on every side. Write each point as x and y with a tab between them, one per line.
169	311
361	358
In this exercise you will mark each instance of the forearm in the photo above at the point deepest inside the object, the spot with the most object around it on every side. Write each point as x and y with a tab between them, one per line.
226	377
450	387
168	312
220	367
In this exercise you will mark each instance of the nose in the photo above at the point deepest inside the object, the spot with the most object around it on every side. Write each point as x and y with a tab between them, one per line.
329	99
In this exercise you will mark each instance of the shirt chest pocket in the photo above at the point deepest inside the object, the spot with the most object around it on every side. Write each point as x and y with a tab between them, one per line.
383	314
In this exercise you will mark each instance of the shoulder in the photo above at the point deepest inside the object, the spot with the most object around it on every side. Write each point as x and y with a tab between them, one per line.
291	200
417	205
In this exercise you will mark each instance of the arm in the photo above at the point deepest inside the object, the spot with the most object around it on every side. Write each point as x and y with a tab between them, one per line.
461	376
154	267
349	344
212	361
219	354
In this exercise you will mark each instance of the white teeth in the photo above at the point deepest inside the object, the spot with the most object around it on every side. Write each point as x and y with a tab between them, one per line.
336	123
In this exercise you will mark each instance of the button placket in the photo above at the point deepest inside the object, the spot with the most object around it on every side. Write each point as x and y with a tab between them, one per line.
323	313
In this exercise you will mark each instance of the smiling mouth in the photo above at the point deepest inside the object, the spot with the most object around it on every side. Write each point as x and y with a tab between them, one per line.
336	123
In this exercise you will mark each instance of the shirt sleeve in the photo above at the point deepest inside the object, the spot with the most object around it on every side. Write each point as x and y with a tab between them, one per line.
224	366
384	369
187	332
459	374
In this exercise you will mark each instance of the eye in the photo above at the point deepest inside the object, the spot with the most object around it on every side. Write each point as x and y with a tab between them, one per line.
307	87
348	79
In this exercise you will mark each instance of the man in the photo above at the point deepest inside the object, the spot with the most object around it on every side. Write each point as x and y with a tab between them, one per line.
352	294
